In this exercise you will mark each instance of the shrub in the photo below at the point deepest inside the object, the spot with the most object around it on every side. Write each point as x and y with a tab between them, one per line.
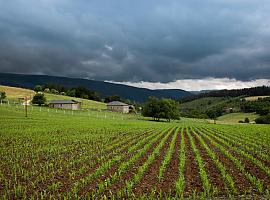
246	120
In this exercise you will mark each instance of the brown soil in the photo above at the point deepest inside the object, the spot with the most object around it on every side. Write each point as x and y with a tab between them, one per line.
67	183
167	184
149	180
254	170
108	174
241	183
129	174
192	177
213	173
254	154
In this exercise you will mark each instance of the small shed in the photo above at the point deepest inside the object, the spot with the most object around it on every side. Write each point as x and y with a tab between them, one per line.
118	106
65	104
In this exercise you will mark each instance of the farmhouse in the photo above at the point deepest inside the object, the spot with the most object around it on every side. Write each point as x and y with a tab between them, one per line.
118	106
65	104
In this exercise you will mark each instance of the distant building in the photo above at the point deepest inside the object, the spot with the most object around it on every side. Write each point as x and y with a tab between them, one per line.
118	106
65	104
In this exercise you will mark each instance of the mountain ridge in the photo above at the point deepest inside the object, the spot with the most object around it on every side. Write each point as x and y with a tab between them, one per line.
102	87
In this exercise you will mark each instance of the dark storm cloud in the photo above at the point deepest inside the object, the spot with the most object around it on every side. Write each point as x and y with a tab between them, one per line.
141	40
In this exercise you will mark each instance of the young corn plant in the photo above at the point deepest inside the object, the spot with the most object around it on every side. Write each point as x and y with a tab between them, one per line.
168	155
225	175
180	183
204	178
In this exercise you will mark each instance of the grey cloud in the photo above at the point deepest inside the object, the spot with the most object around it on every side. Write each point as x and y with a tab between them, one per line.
155	41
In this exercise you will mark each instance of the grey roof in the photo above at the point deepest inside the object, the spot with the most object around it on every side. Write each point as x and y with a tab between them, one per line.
117	103
63	102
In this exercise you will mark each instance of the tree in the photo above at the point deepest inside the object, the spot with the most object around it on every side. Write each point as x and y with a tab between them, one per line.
39	99
161	108
38	88
263	119
213	114
112	98
2	95
47	90
71	92
54	91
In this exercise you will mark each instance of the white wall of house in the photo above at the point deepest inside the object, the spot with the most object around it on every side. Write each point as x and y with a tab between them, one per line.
122	109
76	106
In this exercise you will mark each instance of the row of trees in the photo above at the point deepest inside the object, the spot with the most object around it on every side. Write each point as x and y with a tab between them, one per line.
255	91
79	91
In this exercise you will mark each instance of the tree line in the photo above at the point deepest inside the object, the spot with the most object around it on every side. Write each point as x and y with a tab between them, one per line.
255	91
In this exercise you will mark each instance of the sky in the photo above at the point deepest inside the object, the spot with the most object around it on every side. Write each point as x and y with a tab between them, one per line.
183	44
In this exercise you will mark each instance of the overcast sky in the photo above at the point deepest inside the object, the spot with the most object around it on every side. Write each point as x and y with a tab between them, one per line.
147	43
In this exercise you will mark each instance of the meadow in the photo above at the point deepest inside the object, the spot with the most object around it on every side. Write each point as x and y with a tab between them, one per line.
65	155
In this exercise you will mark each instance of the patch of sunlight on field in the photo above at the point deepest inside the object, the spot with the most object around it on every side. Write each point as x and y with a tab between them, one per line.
236	117
14	93
255	98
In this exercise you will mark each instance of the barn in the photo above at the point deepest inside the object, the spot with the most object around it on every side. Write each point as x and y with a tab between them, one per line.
118	106
65	104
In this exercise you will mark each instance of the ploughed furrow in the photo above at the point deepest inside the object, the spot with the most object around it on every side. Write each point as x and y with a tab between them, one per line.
241	182
255	141
180	183
256	151
104	182
207	187
215	178
229	183
83	182
232	144
64	178
253	165
257	183
149	180
168	181
193	184
119	184
67	182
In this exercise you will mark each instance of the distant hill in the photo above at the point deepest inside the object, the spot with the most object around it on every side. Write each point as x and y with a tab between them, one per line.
14	93
254	91
103	88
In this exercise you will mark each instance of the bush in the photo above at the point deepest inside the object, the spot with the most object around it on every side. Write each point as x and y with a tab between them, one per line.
39	99
263	119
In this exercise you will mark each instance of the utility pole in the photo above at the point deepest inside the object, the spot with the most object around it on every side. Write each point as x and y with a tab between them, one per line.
25	105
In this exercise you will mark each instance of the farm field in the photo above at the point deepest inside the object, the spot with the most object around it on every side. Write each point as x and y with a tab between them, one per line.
236	117
55	155
254	98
